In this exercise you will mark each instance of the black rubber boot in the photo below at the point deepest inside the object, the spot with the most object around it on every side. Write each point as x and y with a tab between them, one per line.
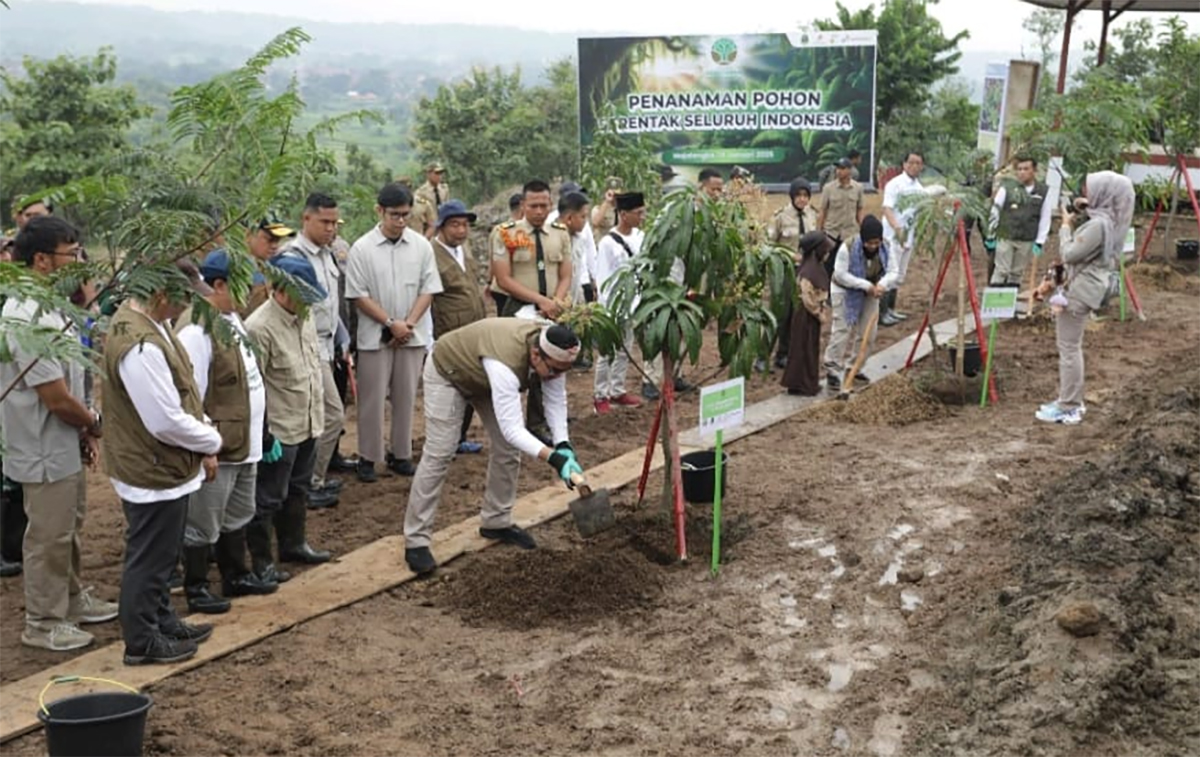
290	527
195	582
236	578
258	542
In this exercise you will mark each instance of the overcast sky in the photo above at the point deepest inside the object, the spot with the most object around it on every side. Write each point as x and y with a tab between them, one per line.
993	24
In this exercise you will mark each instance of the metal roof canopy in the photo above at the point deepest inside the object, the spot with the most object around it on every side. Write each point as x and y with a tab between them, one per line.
1110	9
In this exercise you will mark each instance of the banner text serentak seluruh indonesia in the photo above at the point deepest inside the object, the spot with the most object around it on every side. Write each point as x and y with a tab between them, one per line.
729	110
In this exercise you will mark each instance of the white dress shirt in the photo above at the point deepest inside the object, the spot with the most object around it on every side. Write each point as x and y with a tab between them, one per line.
147	379
506	404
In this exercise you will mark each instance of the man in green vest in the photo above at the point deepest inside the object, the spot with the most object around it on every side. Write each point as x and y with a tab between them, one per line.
227	376
290	360
1021	222
487	365
158	450
460	302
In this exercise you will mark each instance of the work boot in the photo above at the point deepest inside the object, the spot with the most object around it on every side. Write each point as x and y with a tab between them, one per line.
319	499
514	535
290	527
195	583
420	560
258	543
366	471
236	578
161	649
400	466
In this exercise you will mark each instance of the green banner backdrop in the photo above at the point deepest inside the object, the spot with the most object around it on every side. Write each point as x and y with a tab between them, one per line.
780	105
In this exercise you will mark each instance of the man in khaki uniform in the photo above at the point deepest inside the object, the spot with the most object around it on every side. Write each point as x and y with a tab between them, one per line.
841	204
432	194
531	260
488	364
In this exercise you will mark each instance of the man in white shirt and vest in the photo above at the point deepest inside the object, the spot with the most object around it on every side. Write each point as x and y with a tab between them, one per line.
158	450
488	364
227	376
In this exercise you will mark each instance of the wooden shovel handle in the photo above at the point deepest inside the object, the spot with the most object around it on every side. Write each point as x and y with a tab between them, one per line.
581	484
847	385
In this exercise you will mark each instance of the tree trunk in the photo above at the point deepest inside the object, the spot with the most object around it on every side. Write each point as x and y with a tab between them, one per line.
962	318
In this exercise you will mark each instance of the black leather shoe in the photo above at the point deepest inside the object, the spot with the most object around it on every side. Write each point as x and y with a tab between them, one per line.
651	392
193	632
832	382
203	601
248	585
319	499
163	650
8	569
401	467
514	535
331	485
366	471
305	554
339	464
420	560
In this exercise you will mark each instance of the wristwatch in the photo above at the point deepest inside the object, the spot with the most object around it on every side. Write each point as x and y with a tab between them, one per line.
388	323
97	423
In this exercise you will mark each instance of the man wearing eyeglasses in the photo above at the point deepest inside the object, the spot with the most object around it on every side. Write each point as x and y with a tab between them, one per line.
49	434
488	364
391	277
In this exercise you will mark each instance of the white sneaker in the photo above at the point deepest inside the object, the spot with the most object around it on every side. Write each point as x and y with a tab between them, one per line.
1057	414
61	637
85	608
1050	407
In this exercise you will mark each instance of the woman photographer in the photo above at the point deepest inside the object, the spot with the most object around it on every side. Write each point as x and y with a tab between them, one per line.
1089	255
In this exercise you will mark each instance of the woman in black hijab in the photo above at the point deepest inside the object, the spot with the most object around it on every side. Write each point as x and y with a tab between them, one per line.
803	374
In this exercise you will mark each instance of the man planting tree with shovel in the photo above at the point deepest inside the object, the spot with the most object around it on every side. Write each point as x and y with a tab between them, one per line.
488	364
863	272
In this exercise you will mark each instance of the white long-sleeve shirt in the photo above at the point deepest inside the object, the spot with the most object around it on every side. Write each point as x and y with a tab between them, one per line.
610	256
147	379
1043	229
843	279
200	349
898	187
506	404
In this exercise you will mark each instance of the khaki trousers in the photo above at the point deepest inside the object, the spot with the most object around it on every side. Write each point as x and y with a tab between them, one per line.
335	419
844	339
395	371
1012	258
55	511
444	411
1069	328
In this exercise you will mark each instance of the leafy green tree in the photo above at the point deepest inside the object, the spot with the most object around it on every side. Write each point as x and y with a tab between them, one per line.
60	120
944	126
1046	25
914	52
494	132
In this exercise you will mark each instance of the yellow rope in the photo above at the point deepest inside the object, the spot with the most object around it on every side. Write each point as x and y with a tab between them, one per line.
75	679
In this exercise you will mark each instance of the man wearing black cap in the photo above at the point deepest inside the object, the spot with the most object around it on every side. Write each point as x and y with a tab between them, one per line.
262	242
863	273
841	203
290	363
617	247
488	364
158	450
391	277
460	302
228	379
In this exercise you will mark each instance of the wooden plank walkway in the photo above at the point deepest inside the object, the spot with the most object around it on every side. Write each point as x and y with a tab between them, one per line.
379	566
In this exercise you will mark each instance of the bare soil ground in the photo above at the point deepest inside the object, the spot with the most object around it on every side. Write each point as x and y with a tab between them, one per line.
894	583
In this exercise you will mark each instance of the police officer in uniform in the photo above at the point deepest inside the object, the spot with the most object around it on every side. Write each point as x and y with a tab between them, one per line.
433	192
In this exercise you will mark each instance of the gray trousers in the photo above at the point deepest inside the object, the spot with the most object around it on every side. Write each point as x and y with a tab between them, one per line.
1012	258
394	372
844	339
1069	328
152	535
222	505
335	419
444	411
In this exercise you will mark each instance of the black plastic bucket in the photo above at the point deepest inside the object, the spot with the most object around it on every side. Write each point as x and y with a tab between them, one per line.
972	358
109	724
699	471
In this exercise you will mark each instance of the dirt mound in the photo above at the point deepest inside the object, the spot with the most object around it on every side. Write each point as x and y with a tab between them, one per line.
1163	277
1118	534
892	401
545	587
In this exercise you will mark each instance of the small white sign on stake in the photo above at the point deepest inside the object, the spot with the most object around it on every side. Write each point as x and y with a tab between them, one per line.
999	303
1130	240
722	405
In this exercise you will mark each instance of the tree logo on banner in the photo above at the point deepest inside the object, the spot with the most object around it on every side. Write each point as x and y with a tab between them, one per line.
724	51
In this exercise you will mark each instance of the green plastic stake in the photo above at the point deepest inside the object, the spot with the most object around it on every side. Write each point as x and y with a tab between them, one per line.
716	545
1122	285
987	367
